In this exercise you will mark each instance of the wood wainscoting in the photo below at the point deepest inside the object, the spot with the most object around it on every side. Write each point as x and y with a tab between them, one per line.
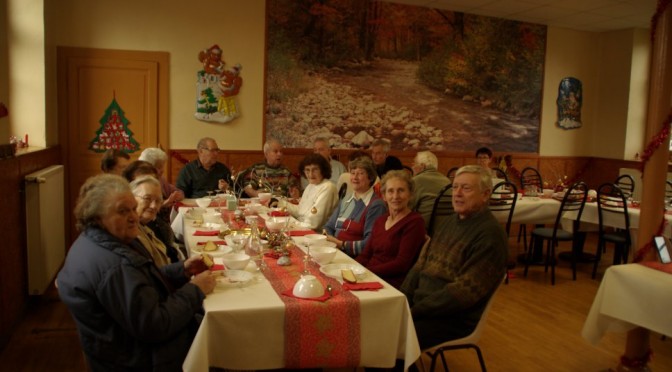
593	171
13	254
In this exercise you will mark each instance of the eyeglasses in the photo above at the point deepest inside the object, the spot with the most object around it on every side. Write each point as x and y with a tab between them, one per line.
211	150
148	199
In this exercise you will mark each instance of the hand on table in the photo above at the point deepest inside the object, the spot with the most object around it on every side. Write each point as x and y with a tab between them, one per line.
206	281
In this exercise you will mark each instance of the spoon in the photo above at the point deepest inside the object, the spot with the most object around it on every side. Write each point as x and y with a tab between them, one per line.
331	294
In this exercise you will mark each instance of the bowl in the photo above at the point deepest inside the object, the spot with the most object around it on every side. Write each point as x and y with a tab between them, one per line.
275	224
323	254
235	241
213	217
203	202
264	197
235	261
314	239
308	287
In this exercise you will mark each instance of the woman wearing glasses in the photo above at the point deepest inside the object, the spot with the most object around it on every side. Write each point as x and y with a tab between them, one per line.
320	196
147	191
351	223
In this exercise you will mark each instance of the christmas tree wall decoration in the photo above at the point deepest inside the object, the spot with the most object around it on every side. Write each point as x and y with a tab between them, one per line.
113	132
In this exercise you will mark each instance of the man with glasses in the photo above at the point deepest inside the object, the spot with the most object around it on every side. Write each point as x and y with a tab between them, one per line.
204	173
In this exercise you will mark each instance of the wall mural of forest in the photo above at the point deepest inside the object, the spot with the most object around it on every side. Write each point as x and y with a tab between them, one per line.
355	70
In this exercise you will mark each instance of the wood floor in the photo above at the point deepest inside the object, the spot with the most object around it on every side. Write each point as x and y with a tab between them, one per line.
533	326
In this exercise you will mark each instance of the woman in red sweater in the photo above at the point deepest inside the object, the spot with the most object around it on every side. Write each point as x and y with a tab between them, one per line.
398	235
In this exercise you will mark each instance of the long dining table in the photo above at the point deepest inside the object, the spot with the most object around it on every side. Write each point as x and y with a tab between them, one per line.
244	326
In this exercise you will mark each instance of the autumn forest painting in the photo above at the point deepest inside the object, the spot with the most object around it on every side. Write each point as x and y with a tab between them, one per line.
425	79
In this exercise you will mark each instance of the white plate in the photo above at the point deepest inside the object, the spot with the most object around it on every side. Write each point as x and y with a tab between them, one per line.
212	226
334	270
236	276
221	250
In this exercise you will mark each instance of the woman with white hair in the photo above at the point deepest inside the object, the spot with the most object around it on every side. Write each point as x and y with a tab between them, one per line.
171	194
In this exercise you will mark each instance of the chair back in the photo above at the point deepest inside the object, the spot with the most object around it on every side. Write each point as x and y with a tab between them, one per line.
443	206
500	174
627	184
573	201
668	192
478	331
503	200
612	203
451	173
530	181
342	190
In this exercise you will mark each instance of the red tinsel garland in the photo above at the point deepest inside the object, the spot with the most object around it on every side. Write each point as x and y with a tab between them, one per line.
656	141
632	363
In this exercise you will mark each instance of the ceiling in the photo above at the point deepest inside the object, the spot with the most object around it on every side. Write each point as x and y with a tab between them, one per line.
584	15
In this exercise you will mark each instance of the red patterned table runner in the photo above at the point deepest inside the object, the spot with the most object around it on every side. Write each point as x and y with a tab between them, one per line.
317	334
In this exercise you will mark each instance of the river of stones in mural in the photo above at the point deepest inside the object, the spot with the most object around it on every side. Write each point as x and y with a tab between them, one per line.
352	108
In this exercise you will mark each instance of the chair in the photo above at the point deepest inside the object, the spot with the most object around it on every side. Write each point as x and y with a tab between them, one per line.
342	191
443	206
503	200
467	342
612	205
668	192
451	173
530	180
627	184
500	174
573	201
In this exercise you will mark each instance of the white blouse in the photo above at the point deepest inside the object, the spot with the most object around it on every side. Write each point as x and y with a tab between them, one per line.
316	205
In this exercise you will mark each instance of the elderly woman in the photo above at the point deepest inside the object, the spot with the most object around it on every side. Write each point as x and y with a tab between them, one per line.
398	235
320	196
160	226
171	194
351	223
130	314
147	191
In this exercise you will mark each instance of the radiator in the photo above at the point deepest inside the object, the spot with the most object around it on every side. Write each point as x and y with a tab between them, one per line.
45	226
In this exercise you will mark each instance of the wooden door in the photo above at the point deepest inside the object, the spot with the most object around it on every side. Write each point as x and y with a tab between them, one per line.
88	81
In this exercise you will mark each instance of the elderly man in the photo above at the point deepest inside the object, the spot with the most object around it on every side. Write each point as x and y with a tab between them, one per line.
450	284
204	173
270	175
321	146
384	162
114	161
428	182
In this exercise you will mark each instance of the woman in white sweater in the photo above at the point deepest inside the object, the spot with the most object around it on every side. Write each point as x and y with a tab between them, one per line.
320	196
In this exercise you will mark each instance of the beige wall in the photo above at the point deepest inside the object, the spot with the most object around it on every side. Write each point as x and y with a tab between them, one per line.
25	84
181	29
608	108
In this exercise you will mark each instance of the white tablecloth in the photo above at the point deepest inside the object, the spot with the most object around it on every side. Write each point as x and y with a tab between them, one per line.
630	296
532	210
243	327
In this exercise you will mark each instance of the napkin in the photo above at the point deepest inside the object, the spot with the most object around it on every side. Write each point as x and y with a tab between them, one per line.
206	233
301	232
278	214
218	242
217	267
323	298
363	286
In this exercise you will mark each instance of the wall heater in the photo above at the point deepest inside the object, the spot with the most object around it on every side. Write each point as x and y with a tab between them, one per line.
45	226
